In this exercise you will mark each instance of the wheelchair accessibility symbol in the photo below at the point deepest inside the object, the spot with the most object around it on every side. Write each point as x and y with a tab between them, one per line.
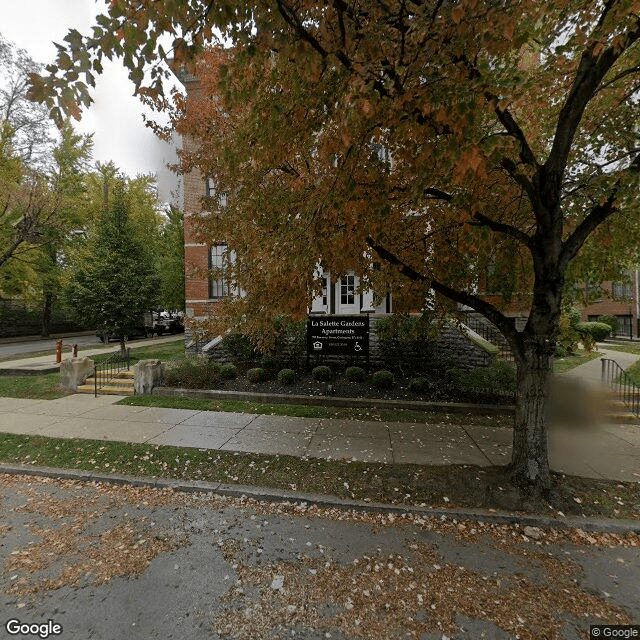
357	347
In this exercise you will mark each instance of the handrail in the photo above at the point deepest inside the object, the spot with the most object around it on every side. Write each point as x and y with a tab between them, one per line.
106	370
616	378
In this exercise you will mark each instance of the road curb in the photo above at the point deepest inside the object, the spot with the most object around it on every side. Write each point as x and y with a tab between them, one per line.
265	494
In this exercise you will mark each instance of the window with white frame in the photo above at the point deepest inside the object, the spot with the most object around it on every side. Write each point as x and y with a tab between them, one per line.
325	291
211	192
218	259
347	289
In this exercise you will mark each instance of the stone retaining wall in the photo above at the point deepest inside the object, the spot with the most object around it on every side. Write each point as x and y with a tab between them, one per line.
455	346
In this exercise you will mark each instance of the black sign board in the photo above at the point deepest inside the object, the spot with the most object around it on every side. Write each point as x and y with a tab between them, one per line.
338	336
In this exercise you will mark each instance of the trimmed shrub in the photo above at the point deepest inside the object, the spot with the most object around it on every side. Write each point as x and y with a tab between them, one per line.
286	376
257	374
321	373
383	379
612	321
596	330
193	373
355	374
270	364
228	371
418	385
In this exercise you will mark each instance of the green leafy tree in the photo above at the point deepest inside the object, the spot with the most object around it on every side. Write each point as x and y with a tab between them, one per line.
511	131
112	280
171	261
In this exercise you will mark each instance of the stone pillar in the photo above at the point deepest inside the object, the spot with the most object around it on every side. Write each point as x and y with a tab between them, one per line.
148	374
74	371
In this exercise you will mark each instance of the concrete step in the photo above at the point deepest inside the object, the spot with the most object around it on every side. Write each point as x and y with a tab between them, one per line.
123	382
117	390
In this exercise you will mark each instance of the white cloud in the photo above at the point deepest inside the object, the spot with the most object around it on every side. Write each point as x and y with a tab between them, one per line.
115	118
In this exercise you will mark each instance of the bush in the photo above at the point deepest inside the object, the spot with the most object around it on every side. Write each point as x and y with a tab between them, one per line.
256	374
418	385
321	373
498	378
290	343
596	330
228	371
406	342
383	379
355	374
239	347
612	321
193	373
270	364
569	337
561	352
286	376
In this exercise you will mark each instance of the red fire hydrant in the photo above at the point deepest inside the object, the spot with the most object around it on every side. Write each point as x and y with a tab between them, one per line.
58	351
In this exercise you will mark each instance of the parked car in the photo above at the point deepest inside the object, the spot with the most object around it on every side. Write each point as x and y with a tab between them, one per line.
167	322
141	330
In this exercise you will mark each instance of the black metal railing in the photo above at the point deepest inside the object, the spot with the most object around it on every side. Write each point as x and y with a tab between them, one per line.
106	370
617	379
490	333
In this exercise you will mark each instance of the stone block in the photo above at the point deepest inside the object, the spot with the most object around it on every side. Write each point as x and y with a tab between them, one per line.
74	371
148	374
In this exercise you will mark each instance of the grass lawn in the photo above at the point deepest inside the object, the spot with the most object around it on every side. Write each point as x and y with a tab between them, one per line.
311	411
437	486
634	373
560	365
42	387
631	347
164	351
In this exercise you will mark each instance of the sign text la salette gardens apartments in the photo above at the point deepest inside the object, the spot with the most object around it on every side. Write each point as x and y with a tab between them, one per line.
338	336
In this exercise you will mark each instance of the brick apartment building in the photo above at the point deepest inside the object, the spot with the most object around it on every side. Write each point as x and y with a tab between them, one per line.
621	300
339	295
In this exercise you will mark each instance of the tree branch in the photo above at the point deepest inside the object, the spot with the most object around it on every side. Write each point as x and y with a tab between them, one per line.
482	306
596	217
592	69
503	228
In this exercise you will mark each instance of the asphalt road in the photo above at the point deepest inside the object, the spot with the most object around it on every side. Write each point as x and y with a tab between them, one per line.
110	562
25	347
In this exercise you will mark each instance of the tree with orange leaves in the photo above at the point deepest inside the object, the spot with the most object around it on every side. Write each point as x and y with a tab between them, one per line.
437	138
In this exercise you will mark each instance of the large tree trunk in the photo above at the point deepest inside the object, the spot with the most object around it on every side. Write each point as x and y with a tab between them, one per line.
529	462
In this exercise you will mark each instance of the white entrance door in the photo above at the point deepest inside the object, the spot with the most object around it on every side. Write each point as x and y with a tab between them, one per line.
347	301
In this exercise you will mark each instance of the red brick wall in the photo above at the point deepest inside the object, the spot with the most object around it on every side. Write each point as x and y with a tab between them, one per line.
609	306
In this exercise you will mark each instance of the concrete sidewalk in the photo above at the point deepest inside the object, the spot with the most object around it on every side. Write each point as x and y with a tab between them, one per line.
591	372
611	451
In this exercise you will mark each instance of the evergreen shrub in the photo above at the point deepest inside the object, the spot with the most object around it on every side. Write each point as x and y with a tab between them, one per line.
228	371
257	374
383	379
286	376
321	373
355	374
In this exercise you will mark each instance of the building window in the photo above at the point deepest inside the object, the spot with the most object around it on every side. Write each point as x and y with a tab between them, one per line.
325	290
347	288
620	290
218	259
210	192
624	326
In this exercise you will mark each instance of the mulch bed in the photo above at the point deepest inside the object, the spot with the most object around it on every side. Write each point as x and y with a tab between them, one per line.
339	386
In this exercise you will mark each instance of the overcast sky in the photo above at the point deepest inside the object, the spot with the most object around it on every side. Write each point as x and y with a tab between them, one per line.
115	118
